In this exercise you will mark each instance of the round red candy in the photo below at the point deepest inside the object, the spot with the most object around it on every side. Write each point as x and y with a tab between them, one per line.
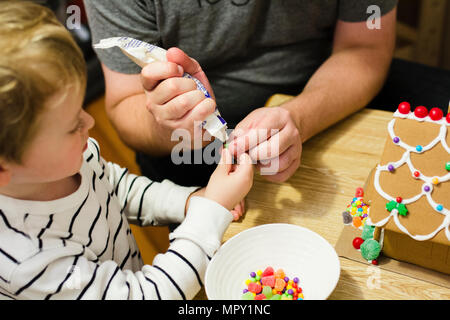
399	199
359	192
375	262
436	114
357	242
448	117
404	108
421	112
416	174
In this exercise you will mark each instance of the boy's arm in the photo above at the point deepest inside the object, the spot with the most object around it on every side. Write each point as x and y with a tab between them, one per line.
67	273
143	201
146	202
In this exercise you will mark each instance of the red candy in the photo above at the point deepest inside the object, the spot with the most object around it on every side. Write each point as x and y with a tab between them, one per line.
375	262
448	117
260	296
357	242
416	174
421	112
404	108
359	192
436	114
399	199
268	281
267	272
254	287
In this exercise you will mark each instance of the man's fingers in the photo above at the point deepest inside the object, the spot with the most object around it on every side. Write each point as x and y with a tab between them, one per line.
190	66
170	88
178	56
272	147
248	136
284	175
248	140
178	107
279	164
157	71
201	110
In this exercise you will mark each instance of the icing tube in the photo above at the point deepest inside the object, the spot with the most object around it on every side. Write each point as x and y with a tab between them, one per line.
143	53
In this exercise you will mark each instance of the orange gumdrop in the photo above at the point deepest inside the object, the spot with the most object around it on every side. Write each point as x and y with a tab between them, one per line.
280	274
357	222
279	284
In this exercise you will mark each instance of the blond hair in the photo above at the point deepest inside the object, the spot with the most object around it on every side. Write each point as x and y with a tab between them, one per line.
38	59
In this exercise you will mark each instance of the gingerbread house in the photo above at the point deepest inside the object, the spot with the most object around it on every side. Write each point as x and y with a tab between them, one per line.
409	190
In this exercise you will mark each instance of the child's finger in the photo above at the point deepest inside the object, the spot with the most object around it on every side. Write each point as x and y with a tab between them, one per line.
245	166
226	161
236	216
243	206
239	210
245	160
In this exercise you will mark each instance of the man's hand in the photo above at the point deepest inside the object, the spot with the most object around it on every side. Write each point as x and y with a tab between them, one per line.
174	101
272	138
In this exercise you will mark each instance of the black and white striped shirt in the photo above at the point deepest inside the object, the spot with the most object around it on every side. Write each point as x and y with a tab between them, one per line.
81	246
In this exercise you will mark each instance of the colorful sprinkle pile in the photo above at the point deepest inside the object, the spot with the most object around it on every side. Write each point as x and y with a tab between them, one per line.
356	214
357	211
272	285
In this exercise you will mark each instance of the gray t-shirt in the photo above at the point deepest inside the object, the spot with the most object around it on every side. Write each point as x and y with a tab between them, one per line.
249	49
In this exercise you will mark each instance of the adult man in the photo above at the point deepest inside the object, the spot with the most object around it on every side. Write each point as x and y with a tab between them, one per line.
322	51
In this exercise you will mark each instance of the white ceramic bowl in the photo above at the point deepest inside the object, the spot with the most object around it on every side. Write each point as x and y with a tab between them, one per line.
300	252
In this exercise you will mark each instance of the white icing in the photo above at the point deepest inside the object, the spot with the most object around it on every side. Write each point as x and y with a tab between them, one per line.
447	232
428	181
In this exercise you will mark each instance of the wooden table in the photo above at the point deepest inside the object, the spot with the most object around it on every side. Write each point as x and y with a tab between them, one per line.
334	164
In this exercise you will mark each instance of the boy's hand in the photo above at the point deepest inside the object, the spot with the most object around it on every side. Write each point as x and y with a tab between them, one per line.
175	102
229	183
237	211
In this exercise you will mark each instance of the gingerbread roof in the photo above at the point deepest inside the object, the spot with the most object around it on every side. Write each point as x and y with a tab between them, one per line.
409	191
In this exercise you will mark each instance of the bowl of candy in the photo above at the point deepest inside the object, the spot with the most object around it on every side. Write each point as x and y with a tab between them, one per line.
273	262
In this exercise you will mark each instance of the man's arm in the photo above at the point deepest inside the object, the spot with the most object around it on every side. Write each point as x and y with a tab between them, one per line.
125	106
349	79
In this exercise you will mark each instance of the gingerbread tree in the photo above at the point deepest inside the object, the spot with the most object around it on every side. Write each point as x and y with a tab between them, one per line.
409	190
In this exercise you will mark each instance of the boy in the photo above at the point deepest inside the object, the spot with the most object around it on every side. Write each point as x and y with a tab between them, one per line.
64	211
